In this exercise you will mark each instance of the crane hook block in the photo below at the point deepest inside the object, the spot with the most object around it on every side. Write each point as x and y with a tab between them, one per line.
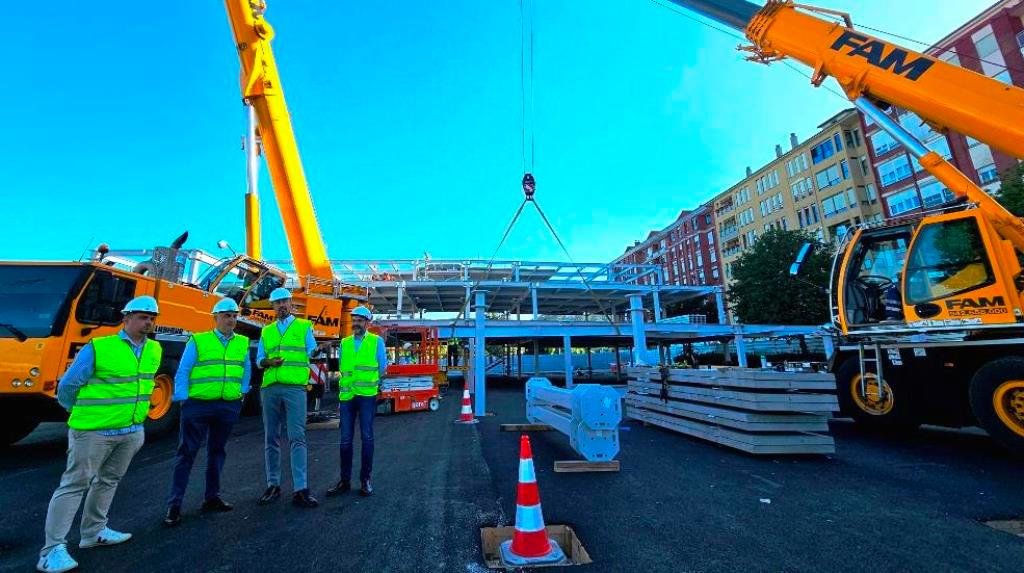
529	186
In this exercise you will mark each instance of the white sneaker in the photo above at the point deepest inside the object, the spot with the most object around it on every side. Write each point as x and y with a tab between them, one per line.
106	537
56	561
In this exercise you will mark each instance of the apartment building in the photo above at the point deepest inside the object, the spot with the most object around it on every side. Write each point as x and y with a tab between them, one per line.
990	44
824	185
686	250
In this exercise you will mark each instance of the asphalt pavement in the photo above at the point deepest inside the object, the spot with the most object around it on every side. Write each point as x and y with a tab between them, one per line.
881	503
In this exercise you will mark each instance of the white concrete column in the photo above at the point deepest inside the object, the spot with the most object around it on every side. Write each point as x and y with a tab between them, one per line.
480	359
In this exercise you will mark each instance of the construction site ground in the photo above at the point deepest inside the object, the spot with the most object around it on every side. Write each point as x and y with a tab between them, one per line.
881	503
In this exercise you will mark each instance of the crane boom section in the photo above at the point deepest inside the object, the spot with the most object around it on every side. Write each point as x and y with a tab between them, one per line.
946	95
261	87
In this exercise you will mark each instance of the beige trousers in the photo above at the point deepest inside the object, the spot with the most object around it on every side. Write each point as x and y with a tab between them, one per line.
96	464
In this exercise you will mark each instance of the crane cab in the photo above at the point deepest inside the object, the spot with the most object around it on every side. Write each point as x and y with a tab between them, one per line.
947	270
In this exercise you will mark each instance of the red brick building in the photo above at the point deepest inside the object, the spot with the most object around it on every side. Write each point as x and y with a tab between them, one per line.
686	250
990	44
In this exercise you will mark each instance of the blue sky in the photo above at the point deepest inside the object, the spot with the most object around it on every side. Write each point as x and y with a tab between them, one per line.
122	122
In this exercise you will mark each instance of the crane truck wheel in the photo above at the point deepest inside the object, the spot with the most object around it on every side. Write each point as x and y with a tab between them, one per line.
997	400
163	413
15	428
890	410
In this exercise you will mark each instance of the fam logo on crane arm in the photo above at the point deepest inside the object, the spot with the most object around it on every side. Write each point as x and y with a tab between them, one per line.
882	55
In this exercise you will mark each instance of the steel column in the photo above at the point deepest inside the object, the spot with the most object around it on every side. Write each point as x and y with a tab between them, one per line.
636	309
480	365
567	350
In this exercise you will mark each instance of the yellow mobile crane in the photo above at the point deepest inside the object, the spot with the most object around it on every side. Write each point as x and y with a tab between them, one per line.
49	310
956	356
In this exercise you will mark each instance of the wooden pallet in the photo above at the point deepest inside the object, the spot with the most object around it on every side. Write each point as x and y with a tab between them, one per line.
755	411
525	428
578	466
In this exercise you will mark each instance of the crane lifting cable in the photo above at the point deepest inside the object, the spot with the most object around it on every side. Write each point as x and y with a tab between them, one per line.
529	181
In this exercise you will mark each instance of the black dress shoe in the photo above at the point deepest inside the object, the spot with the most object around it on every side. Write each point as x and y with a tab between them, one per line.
216	504
273	492
173	517
367	489
302	498
339	488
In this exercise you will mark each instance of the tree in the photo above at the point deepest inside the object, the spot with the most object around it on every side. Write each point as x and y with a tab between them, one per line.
763	292
1011	193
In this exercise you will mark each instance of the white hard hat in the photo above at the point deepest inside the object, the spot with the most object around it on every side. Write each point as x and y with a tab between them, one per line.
280	293
145	304
225	305
363	312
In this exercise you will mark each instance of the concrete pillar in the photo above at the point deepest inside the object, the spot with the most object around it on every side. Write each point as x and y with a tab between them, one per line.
636	309
590	365
519	359
723	317
469	300
618	363
656	301
401	297
533	298
830	346
741	350
536	358
567	350
479	363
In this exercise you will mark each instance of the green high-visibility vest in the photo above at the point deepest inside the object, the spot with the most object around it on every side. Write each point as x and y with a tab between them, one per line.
290	346
217	373
117	395
360	371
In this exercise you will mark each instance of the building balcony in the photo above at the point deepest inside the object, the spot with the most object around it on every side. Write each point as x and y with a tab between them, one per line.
728	232
725	209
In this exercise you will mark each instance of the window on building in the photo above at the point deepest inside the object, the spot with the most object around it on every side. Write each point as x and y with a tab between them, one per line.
707	219
951	57
777	202
714	273
865	167
814	212
903	201
852	138
785	225
916	126
711	238
882	142
713	255
934	193
822	151
845	167
834	204
940	145
988	174
827	177
765	208
894	170
800	218
838	140
851	197
870	193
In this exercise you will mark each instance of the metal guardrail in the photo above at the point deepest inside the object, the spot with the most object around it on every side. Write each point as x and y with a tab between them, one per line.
589	414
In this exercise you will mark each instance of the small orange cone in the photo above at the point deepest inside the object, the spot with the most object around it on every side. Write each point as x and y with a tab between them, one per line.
530	544
466	417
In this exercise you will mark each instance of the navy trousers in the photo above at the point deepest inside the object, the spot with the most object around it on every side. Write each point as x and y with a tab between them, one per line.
363	407
207	421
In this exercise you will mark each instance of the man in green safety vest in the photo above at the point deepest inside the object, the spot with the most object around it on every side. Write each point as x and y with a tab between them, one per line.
107	390
283	353
213	376
363	362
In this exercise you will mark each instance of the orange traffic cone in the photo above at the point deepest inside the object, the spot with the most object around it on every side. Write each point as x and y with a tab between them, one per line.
466	417
530	544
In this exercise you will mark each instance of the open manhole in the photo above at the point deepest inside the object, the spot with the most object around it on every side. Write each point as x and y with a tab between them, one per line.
1011	526
491	539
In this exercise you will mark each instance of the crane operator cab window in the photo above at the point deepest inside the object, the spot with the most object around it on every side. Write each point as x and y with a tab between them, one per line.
872	292
948	259
243	280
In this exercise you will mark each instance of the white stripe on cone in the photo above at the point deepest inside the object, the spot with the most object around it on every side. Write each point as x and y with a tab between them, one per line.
529	518
526	473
